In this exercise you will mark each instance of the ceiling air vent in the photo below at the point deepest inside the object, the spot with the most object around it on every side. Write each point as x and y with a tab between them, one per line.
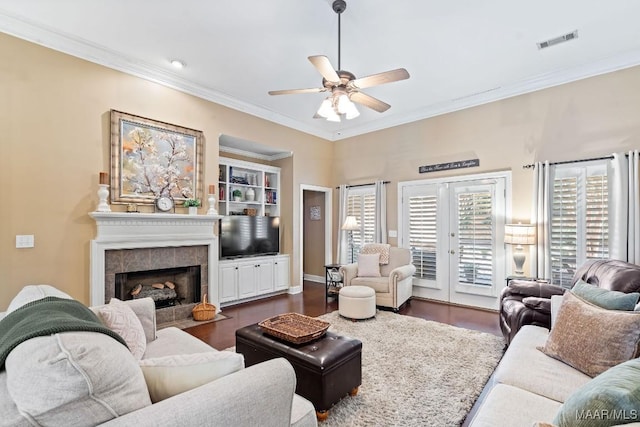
557	40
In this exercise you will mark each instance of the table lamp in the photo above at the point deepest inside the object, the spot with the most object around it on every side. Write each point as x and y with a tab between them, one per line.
519	234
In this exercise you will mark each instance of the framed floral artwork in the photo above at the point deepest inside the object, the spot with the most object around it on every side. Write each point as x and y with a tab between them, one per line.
150	159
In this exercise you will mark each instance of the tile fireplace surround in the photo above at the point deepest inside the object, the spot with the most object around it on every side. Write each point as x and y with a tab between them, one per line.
127	242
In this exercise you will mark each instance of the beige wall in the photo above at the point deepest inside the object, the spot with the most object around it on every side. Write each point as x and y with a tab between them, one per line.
584	119
54	127
314	233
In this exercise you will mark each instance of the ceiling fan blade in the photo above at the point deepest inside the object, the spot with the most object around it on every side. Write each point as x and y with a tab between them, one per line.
292	91
380	78
323	65
369	101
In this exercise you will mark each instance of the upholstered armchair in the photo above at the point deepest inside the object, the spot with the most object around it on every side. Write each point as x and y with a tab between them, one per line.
395	284
526	302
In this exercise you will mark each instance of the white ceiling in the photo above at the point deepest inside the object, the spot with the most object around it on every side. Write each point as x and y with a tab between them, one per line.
459	53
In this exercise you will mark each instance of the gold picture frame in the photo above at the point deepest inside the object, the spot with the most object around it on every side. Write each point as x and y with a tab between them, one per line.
150	159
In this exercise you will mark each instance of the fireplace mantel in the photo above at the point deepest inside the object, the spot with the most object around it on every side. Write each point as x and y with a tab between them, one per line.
121	230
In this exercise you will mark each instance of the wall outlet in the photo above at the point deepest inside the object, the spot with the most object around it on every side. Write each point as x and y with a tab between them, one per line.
25	241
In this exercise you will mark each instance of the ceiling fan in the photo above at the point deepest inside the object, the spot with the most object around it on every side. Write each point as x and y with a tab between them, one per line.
344	86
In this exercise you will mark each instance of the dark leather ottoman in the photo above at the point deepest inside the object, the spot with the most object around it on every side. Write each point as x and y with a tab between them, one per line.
326	369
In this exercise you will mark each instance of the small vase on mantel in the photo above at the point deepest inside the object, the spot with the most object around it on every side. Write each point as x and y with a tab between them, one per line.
250	194
193	210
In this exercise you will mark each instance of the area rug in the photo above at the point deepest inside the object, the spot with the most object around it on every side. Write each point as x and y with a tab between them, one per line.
414	372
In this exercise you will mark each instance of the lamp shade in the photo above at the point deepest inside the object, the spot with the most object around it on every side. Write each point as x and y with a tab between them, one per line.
351	223
520	234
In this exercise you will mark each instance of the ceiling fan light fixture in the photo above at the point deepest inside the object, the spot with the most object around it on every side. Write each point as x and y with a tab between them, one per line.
343	85
326	108
333	117
352	111
343	103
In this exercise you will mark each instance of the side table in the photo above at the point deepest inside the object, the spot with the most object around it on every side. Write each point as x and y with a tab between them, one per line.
333	280
530	279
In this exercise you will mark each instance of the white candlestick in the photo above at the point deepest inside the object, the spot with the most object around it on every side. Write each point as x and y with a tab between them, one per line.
103	194
212	205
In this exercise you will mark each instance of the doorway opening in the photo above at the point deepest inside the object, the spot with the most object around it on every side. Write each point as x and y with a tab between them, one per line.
316	241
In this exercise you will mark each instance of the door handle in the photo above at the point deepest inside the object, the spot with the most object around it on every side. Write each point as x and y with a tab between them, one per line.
452	252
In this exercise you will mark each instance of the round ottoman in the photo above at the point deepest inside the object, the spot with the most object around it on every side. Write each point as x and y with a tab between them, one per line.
357	302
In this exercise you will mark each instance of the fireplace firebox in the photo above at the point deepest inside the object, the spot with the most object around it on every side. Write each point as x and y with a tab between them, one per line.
166	286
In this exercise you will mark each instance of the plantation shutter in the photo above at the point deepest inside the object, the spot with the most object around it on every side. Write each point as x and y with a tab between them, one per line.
423	227
475	237
564	229
361	203
579	219
597	217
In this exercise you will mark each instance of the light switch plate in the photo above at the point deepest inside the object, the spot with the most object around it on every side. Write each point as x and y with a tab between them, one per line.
393	233
25	241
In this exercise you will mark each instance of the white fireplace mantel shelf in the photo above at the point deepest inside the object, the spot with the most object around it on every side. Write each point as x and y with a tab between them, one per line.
150	227
122	230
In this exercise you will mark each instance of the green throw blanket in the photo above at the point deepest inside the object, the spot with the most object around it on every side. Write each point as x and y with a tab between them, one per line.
47	316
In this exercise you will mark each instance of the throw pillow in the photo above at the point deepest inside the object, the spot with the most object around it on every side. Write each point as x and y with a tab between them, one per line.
121	319
170	375
611	300
74	379
369	265
583	336
32	293
145	310
610	399
377	248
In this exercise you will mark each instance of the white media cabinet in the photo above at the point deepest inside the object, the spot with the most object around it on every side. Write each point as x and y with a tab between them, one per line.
252	277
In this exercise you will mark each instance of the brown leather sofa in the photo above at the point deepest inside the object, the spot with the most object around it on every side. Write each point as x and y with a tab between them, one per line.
526	302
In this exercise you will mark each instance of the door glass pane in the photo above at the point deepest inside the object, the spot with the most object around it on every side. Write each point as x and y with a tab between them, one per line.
423	227
475	238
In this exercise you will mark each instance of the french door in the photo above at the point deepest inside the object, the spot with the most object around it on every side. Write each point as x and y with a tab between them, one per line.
455	229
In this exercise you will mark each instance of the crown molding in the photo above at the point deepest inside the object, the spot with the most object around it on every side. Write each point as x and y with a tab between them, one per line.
278	156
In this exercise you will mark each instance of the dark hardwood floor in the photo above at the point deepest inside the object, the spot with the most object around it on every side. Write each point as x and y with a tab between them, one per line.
221	334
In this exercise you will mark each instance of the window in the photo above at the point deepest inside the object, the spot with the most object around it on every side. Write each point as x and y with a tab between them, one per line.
361	203
579	218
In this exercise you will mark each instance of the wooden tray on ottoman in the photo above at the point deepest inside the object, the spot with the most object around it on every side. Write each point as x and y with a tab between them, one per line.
295	328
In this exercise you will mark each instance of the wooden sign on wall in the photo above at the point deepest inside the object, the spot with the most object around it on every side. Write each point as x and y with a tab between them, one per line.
449	166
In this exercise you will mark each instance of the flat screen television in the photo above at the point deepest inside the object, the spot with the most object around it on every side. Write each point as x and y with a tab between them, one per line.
244	235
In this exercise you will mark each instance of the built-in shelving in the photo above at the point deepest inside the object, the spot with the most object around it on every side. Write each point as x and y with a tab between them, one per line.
246	186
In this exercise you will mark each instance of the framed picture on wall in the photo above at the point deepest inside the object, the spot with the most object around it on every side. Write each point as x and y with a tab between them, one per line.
314	213
151	159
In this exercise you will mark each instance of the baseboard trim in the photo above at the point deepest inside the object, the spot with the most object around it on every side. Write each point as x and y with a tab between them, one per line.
254	298
295	290
313	278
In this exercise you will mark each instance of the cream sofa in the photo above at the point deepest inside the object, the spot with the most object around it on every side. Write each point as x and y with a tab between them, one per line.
263	394
395	284
529	387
